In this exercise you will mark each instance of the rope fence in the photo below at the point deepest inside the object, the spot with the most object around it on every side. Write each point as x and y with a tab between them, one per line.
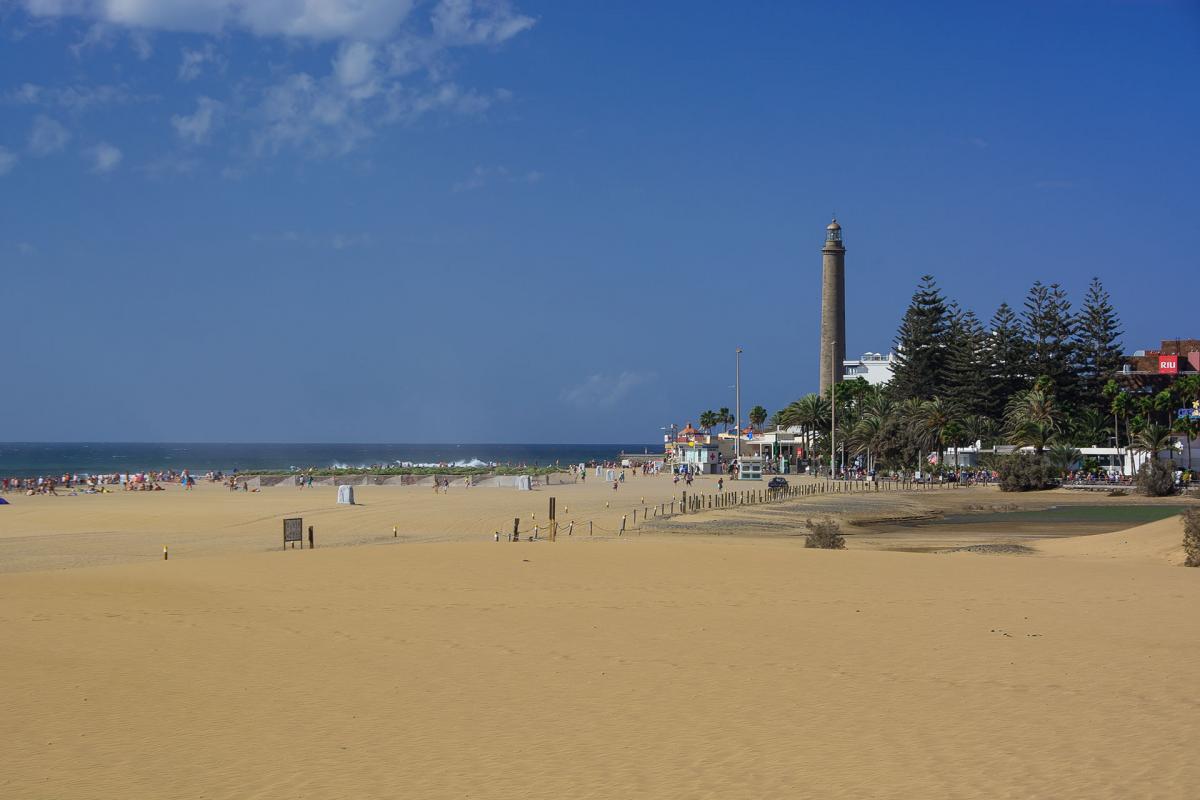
696	503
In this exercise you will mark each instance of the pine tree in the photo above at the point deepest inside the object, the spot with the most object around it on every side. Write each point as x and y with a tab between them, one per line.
1049	328
966	361
1098	344
921	343
1006	354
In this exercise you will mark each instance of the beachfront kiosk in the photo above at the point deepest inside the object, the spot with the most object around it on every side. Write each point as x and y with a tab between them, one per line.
750	468
699	458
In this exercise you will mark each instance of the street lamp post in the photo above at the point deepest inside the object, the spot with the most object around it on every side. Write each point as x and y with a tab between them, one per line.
737	405
832	407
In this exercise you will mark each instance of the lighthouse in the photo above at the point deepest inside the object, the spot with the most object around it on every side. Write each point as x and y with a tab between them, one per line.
833	306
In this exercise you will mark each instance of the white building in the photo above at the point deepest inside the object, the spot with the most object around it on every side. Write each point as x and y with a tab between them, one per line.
875	368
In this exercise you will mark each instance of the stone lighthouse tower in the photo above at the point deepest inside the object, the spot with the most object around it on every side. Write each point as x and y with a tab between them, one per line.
833	306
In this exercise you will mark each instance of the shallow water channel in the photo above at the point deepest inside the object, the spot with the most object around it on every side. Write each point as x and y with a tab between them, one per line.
1008	528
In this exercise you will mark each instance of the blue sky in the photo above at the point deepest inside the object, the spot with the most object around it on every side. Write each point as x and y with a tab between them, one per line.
445	220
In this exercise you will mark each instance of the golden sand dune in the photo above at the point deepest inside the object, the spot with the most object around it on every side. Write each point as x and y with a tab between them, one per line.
600	669
649	666
1156	542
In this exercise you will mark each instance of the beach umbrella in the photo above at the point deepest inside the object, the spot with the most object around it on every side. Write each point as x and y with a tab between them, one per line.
3	502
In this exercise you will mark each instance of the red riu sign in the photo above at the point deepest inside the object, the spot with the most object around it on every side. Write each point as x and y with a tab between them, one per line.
1168	365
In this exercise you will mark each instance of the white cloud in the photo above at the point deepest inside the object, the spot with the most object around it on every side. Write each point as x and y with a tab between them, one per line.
316	116
192	62
140	42
98	35
346	241
198	126
391	64
8	160
47	136
481	176
355	64
26	249
170	164
313	19
605	391
336	241
470	22
105	158
75	99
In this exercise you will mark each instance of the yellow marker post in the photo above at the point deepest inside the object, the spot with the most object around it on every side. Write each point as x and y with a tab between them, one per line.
164	552
395	533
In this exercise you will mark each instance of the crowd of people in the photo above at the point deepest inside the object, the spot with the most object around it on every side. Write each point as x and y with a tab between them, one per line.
145	481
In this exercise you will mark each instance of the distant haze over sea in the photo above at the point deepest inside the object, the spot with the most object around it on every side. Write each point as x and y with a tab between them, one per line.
49	458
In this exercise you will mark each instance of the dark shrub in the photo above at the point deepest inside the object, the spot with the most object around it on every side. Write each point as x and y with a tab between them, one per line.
824	534
1191	537
1025	472
1156	478
1118	493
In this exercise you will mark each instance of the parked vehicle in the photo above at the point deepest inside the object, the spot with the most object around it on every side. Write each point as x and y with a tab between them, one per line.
778	483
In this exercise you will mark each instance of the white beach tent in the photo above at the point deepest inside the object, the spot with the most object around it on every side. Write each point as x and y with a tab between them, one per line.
346	495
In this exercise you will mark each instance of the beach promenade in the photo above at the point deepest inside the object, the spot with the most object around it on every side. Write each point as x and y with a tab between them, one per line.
666	663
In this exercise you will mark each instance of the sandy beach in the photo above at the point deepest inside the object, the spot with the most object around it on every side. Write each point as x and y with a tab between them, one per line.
667	663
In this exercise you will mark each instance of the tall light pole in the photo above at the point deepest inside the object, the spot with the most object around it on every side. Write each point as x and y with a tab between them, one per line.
737	407
832	405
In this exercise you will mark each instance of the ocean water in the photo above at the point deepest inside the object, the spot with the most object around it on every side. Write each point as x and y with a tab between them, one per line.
53	458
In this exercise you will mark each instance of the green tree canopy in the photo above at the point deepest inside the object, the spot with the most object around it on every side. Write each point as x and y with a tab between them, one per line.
920	365
1098	343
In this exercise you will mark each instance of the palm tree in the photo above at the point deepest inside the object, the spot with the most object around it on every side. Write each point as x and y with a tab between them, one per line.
1031	418
758	415
1152	438
1188	389
867	434
876	402
1089	429
906	412
1063	457
1145	407
1164	401
814	412
725	417
1036	434
810	413
1120	410
708	420
956	437
931	422
979	429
